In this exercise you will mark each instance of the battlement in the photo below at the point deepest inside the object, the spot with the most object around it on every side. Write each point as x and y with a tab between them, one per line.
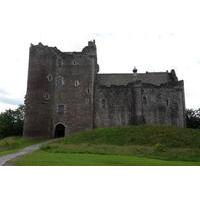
89	50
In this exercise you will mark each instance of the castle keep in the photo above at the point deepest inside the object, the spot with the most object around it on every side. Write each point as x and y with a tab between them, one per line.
66	94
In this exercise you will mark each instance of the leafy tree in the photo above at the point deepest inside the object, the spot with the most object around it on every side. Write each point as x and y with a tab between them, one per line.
11	122
193	118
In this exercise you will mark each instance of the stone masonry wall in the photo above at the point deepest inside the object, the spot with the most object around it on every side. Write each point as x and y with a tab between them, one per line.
139	103
58	80
39	102
75	92
164	104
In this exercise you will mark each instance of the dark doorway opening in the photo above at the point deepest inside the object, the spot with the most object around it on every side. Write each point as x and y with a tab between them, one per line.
59	131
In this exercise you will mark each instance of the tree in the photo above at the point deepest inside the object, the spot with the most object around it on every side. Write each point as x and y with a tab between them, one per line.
193	118
11	122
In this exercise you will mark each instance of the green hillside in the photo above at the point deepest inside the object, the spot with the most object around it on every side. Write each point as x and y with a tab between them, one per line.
140	145
139	135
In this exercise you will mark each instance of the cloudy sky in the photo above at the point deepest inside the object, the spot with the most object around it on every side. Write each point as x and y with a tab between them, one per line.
153	35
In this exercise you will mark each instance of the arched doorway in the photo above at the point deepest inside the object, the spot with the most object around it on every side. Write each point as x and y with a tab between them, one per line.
59	131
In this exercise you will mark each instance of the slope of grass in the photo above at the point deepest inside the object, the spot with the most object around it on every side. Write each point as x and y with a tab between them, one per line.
169	144
184	154
12	144
139	135
42	158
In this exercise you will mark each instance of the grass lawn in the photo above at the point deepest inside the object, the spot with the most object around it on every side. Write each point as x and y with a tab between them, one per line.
133	145
42	158
12	144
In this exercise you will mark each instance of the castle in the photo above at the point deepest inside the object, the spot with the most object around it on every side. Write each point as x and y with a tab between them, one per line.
66	94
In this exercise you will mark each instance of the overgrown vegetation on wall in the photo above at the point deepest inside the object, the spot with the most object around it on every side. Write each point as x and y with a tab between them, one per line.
11	122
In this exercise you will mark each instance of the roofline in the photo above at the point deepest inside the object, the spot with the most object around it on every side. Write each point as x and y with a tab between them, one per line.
132	73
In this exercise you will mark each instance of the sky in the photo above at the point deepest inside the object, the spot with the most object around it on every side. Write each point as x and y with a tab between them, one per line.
153	35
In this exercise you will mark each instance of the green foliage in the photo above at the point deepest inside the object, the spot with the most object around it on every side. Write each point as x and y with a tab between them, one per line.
11	122
193	118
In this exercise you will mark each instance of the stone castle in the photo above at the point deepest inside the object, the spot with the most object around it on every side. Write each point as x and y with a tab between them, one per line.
66	94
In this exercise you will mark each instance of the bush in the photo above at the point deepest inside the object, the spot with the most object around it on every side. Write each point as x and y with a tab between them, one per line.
158	147
193	118
11	122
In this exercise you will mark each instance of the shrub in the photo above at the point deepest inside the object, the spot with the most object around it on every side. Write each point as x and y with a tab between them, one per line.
159	147
11	122
193	118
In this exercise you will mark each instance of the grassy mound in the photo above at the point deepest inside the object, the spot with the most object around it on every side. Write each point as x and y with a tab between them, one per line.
169	143
133	145
139	135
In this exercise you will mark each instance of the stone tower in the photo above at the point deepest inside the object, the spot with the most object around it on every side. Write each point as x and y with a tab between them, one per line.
60	91
65	94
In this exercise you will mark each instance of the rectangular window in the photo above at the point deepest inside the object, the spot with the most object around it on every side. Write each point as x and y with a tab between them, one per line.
61	109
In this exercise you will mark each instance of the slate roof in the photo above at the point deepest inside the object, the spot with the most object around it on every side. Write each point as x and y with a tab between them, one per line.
155	78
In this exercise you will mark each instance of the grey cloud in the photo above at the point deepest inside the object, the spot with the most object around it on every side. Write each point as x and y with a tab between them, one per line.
11	101
4	98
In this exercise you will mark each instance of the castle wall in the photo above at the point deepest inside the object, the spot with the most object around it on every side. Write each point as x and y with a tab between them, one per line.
75	92
113	106
139	103
60	90
118	105
39	99
164	104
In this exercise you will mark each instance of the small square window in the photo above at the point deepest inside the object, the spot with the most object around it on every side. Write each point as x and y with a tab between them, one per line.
61	109
60	81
